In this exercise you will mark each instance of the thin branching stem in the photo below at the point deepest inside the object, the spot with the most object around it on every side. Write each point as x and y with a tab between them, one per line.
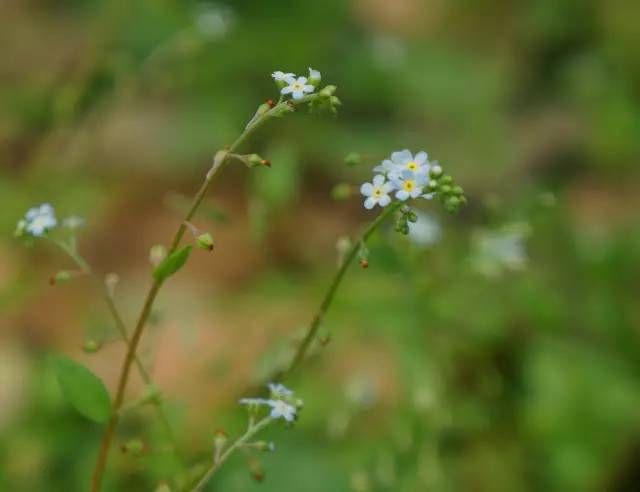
252	430
219	161
305	345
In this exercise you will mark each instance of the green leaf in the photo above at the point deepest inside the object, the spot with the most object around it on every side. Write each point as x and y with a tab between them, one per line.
83	389
172	263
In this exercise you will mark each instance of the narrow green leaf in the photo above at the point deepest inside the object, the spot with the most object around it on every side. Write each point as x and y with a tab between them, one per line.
83	389
172	263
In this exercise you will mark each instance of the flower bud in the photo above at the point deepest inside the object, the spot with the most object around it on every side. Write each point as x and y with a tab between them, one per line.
328	91
254	160
205	241
446	179
20	229
457	190
219	441
335	101
341	191
91	346
264	446
445	189
352	159
61	277
435	172
133	446
433	185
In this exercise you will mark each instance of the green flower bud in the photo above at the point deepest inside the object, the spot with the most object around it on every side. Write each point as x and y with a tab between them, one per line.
205	241
412	217
446	180
20	229
254	160
433	185
328	91
91	346
352	159
162	487
220	439
445	189
457	190
341	191
435	172
61	277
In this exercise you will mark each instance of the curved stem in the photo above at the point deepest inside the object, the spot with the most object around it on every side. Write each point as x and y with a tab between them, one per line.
219	162
241	441
304	346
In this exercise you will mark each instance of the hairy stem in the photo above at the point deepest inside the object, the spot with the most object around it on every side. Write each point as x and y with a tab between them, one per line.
305	345
241	441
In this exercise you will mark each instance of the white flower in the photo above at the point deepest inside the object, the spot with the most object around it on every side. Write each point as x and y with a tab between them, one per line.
279	76
314	75
377	192
39	220
387	166
297	87
282	409
409	184
279	390
73	222
405	161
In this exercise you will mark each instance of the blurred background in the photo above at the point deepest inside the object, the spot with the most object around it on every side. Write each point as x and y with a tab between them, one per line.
494	350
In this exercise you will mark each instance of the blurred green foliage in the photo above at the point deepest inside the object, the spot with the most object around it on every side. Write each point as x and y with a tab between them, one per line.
440	375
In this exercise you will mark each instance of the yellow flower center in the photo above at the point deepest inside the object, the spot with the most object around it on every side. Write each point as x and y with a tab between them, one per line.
296	86
377	192
411	165
408	185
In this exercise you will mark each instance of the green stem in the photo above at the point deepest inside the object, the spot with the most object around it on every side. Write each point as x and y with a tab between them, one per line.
72	252
241	441
219	162
304	346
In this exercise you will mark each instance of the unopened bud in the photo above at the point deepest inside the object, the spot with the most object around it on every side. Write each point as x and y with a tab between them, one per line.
220	439
256	470
445	189
446	179
254	160
61	277
435	172
205	241
328	91
264	446
91	346
352	159
457	191
341	191
364	263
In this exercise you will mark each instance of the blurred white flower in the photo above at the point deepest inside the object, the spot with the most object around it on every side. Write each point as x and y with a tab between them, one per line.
279	76
254	401
279	390
502	249
377	192
297	87
214	21
282	409
426	231
388	52
405	161
39	220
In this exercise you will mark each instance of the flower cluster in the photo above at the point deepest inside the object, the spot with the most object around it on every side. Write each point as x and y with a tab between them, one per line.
297	87
39	220
407	176
281	402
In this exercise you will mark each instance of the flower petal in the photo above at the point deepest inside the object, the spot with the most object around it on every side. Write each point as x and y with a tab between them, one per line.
369	203
366	189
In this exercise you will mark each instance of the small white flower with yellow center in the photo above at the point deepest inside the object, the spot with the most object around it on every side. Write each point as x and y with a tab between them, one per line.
386	167
409	185
377	192
406	161
297	87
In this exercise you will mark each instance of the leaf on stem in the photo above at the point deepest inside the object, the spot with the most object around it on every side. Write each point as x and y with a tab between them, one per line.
172	263
83	389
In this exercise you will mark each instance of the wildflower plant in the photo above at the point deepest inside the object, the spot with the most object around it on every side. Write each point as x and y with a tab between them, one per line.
398	183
